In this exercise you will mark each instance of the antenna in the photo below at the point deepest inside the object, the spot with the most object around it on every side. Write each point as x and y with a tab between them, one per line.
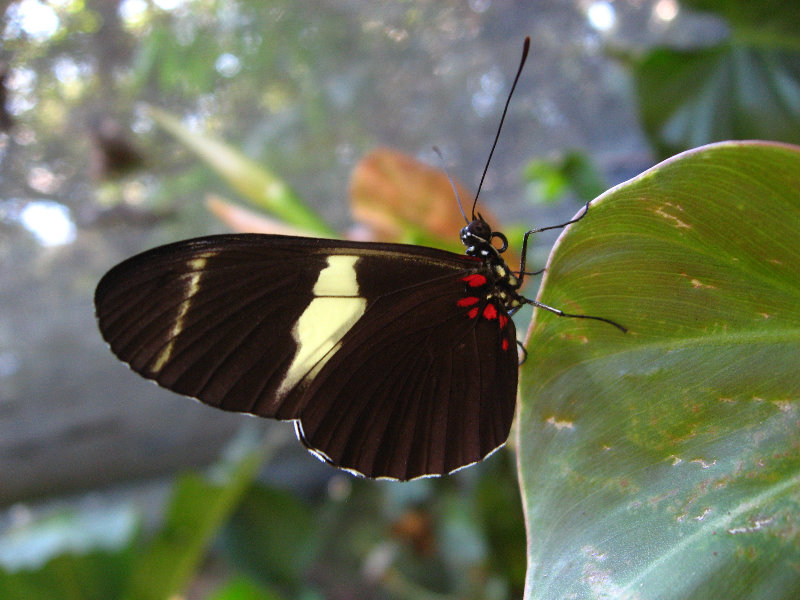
525	47
452	183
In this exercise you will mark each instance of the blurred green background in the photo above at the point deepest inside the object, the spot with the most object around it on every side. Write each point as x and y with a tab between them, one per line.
97	502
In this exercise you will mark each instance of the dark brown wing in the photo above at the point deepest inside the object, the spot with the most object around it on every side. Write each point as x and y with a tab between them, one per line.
202	317
416	388
410	385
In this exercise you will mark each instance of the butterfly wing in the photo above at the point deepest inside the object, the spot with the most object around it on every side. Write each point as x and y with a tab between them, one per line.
205	317
365	344
416	388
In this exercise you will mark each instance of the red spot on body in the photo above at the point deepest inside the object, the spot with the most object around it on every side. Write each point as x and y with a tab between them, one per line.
473	312
505	344
468	301
490	312
503	320
475	280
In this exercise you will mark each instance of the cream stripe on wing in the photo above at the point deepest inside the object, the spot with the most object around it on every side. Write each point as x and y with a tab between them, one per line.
197	265
329	316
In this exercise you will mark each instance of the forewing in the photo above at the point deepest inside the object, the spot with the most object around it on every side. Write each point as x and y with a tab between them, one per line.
237	320
201	316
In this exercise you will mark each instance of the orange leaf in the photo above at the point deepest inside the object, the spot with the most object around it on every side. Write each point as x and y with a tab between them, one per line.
394	194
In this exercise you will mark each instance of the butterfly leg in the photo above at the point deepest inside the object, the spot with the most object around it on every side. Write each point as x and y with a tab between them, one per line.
525	237
561	313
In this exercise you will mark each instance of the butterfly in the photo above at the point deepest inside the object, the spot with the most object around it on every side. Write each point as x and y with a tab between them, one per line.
392	360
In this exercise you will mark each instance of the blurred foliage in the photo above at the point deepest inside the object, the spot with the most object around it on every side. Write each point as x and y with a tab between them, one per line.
170	560
573	174
460	537
251	180
102	63
272	537
106	566
745	87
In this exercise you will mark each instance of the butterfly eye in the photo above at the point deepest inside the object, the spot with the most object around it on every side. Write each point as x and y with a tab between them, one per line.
477	232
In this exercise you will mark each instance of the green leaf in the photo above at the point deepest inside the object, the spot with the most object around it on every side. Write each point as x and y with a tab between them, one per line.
272	536
195	514
243	589
96	575
75	554
665	463
733	91
500	510
574	171
746	87
765	16
253	181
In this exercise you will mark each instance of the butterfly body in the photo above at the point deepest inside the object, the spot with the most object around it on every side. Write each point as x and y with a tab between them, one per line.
393	360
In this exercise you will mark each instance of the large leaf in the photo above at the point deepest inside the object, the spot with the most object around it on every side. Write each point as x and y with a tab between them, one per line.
665	462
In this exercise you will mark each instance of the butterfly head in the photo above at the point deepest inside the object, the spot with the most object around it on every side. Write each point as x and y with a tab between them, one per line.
477	236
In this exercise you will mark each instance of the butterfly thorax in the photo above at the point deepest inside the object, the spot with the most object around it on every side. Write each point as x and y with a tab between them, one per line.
502	284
